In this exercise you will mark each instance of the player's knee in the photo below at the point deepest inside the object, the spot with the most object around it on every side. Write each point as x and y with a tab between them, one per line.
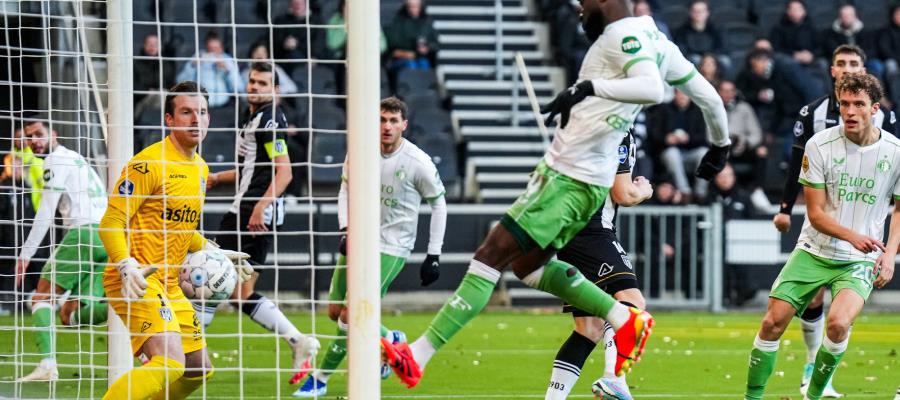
334	311
772	327
593	329
837	327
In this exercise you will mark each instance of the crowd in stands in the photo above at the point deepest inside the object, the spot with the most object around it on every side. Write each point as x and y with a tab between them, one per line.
767	59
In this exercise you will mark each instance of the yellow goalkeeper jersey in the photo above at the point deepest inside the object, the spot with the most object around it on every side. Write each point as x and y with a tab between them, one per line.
161	193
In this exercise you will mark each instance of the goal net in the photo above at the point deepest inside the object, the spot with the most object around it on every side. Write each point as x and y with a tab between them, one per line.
62	72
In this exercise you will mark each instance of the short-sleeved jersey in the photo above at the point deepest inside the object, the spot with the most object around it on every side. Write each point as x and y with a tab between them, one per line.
859	183
407	176
161	193
586	149
83	197
605	218
825	112
259	141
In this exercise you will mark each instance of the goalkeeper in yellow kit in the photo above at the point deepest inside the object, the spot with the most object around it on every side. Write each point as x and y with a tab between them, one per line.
149	227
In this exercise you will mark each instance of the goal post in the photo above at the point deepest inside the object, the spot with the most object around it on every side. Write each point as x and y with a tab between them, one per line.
363	152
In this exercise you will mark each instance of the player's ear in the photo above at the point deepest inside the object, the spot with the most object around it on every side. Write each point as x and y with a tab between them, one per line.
875	107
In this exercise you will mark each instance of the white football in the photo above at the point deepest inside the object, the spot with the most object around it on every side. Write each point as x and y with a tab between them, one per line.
207	275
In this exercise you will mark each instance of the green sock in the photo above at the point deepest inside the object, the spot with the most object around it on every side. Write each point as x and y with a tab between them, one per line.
762	363
335	353
470	297
91	313
42	317
826	364
564	281
384	331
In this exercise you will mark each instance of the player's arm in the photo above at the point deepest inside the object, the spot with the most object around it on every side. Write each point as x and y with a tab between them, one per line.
222	177
42	222
277	151
884	266
802	129
627	192
429	185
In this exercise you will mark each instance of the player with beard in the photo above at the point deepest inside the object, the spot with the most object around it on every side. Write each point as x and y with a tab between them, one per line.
623	70
258	208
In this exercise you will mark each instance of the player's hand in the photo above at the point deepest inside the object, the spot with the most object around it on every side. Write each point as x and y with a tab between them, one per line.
864	243
212	180
256	222
430	270
21	267
884	270
342	246
644	187
134	281
713	162
782	222
565	100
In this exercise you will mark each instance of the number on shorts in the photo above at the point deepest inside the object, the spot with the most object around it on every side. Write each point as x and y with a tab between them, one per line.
862	272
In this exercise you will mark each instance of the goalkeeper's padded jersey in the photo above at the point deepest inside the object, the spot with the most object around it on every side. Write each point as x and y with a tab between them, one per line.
859	184
161	193
586	149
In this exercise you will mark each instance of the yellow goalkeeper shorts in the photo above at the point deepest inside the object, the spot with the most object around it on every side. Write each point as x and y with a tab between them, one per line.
163	309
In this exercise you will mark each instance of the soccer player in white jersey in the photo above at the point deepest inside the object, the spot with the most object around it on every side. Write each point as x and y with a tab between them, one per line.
850	173
624	69
74	188
407	176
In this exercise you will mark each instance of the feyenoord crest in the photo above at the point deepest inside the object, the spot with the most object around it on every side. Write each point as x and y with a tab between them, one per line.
883	165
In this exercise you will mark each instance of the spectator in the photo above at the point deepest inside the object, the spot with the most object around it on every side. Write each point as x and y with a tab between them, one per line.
795	34
748	147
680	131
336	44
215	70
147	75
889	43
260	52
568	38
774	90
698	36
848	29
291	39
642	8
412	39
709	69
736	204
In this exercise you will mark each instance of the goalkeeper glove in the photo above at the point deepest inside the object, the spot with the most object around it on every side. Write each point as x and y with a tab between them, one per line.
238	258
134	282
342	247
713	162
565	100
430	270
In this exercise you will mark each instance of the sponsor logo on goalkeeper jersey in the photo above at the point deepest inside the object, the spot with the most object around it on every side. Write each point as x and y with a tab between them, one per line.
183	214
856	188
631	44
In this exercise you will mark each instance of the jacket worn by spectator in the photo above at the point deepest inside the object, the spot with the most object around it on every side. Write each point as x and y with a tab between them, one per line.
788	37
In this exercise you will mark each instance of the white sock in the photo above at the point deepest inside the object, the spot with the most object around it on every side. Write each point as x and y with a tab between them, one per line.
422	351
610	351
767	346
618	315
562	379
813	331
48	363
205	314
835	348
270	317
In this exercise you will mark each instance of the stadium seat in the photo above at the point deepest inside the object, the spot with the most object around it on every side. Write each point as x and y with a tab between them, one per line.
411	81
726	15
300	76
143	10
326	115
428	100
822	18
218	150
328	153
673	15
738	35
245	12
442	149
431	121
185	40
323	81
769	17
184	11
238	40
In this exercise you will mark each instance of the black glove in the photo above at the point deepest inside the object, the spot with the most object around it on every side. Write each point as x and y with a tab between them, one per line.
342	248
430	270
565	100
713	162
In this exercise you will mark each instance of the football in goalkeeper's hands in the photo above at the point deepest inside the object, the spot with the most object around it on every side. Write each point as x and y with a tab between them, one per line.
207	275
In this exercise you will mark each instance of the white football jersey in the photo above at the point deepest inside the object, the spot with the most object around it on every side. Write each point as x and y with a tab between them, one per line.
71	186
586	149
859	183
407	176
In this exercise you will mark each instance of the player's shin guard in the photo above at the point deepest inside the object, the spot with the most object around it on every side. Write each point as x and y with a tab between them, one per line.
183	387
567	366
564	281
470	297
812	322
146	381
827	360
334	354
762	363
42	318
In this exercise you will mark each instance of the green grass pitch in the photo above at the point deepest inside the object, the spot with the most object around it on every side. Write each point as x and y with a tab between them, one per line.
508	355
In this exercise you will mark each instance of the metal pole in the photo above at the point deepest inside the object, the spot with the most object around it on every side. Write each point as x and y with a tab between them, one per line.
498	39
717	258
120	148
363	158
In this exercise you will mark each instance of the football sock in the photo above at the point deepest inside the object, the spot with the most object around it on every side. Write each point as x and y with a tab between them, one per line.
813	325
182	388
147	380
564	281
267	314
567	366
470	297
610	351
827	361
205	314
334	354
42	318
762	363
